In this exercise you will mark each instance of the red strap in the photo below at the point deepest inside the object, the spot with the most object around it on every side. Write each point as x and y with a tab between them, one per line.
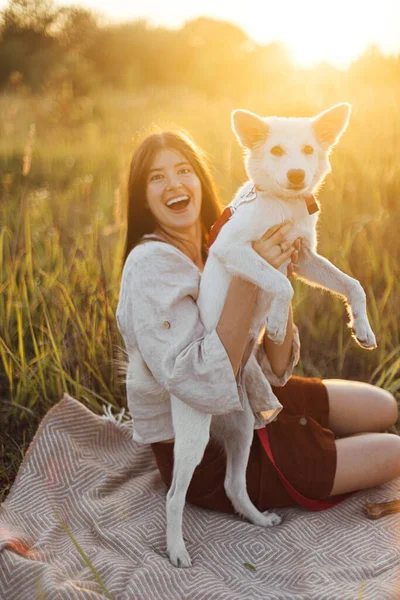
297	497
216	228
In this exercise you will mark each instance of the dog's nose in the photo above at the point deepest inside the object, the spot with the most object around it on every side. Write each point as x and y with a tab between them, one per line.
296	176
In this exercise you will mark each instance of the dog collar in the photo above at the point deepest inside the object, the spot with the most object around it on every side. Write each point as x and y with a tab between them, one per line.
311	203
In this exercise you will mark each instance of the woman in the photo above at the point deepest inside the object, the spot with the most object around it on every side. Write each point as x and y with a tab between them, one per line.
172	205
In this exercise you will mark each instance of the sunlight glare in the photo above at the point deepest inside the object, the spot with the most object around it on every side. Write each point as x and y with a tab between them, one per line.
315	31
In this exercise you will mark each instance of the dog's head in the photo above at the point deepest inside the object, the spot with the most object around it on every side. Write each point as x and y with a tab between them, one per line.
289	157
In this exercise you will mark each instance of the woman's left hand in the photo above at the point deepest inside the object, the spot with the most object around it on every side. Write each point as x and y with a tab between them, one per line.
294	256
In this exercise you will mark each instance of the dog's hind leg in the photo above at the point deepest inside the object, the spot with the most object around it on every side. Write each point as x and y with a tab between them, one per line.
192	432
237	446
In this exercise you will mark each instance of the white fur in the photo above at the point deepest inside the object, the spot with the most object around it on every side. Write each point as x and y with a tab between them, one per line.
232	254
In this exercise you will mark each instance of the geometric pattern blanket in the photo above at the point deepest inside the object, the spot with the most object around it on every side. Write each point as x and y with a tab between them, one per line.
85	520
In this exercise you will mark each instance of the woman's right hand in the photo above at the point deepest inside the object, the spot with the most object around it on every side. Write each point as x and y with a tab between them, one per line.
273	245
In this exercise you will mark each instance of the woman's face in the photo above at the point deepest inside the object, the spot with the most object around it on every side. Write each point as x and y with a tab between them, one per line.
173	191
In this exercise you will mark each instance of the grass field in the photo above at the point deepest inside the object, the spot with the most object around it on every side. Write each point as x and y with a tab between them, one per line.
63	167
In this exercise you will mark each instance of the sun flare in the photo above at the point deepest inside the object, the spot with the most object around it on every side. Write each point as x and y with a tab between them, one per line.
337	34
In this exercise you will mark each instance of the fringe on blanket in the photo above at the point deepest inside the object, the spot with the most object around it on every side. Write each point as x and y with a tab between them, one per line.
117	419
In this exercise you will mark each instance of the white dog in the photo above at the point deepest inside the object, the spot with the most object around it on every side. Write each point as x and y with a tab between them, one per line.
287	158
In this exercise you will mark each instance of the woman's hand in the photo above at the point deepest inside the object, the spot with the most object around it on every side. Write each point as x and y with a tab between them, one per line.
276	249
294	256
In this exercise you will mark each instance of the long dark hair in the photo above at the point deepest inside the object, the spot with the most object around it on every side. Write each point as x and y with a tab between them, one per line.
140	218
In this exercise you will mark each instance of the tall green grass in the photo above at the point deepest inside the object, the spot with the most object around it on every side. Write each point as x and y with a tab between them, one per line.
62	236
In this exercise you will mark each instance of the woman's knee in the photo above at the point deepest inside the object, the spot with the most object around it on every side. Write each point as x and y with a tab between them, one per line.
388	405
356	407
384	405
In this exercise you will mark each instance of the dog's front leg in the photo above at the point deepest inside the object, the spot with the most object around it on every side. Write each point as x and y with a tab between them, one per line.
241	260
317	270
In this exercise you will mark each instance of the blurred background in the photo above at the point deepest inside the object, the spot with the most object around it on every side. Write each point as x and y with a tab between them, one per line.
78	90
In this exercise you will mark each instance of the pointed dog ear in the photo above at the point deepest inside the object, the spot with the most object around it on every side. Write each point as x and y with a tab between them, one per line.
250	129
330	124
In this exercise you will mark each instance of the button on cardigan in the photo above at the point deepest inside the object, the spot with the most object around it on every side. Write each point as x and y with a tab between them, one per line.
158	317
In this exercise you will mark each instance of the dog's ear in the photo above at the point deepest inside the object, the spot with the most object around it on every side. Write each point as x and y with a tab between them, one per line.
330	125
250	129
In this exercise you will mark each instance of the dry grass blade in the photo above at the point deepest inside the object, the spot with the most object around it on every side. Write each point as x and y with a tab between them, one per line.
85	558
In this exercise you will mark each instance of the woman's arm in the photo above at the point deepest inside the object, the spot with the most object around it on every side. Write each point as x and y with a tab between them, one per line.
235	320
236	317
279	355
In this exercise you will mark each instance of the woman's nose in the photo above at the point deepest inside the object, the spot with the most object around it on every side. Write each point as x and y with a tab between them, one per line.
173	182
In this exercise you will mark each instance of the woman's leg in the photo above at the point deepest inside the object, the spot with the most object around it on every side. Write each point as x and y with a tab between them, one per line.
356	407
363	459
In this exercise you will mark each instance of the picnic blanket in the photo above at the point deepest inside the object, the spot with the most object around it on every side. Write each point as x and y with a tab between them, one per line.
85	519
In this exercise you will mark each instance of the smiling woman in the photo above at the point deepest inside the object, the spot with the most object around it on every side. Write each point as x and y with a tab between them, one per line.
173	189
170	187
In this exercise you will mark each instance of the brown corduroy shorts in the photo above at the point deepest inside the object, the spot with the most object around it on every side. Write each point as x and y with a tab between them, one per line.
302	445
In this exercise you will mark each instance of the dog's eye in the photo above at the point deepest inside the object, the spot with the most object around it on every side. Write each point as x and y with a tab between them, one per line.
277	151
308	149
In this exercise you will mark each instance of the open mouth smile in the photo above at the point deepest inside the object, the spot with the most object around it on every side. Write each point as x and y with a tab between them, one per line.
179	203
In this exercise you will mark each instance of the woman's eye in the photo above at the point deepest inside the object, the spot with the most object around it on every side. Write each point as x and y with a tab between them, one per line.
156	177
184	170
308	149
277	151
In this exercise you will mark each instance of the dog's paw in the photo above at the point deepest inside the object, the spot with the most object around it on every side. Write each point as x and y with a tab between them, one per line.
363	334
179	557
269	519
276	330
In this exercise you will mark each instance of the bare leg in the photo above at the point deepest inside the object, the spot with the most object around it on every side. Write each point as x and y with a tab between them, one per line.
364	459
356	407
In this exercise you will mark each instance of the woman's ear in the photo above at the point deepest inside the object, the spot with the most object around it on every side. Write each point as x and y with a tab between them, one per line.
250	129
330	124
